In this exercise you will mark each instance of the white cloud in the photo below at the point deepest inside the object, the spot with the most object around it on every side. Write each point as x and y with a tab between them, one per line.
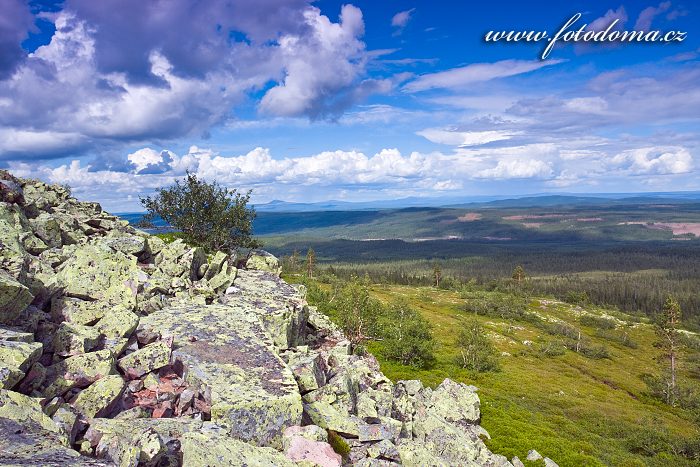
655	160
401	19
94	85
518	168
474	73
464	138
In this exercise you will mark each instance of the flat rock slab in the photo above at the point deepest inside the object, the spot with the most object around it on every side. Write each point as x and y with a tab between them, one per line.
226	349
282	311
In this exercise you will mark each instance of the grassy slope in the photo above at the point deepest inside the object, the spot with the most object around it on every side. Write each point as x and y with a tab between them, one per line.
576	410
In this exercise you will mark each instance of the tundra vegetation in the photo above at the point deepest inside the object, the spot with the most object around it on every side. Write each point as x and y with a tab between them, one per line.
586	384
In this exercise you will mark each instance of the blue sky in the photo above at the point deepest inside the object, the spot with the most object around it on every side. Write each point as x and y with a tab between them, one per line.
309	101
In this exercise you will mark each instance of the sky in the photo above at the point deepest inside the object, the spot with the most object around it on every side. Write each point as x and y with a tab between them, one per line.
316	100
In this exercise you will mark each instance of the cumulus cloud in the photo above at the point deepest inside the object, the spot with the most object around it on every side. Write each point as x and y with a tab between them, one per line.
322	71
475	73
15	22
175	69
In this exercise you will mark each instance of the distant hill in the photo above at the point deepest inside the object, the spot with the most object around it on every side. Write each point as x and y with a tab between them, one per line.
529	200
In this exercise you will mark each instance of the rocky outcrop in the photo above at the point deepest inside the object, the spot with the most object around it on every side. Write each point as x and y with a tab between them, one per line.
119	349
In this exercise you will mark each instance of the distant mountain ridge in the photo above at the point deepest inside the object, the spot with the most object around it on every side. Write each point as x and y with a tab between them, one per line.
530	200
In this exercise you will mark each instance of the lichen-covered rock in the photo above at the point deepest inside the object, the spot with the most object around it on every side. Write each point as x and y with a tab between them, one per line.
14	297
20	408
276	303
99	398
261	260
75	310
67	421
127	244
74	339
47	228
384	450
312	432
455	402
119	322
77	371
149	358
309	372
201	449
10	188
16	357
225	349
145	440
28	443
97	272
327	416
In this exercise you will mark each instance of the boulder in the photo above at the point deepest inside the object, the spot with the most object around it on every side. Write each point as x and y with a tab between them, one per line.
226	350
10	188
67	421
312	432
77	371
327	416
119	322
14	298
130	245
319	453
533	455
455	402
96	272
16	358
149	358
99	398
309	372
74	339
384	450
201	449
550	463
20	408
261	260
77	311
47	228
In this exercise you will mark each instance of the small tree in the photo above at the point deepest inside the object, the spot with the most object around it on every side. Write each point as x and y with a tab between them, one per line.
294	261
207	215
310	262
477	351
519	274
437	274
670	343
408	338
357	312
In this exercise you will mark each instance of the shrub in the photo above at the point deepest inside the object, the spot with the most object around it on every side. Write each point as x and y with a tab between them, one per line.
498	305
563	329
576	298
477	353
622	338
596	322
407	336
552	349
206	214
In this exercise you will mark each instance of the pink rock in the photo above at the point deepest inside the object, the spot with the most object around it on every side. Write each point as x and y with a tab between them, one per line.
317	452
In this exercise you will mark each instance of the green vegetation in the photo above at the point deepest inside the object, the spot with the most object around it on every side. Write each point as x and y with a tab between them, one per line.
618	254
571	406
405	335
204	214
477	353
